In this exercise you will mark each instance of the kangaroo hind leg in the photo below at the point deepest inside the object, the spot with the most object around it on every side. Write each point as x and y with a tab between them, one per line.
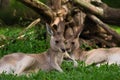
96	58
25	63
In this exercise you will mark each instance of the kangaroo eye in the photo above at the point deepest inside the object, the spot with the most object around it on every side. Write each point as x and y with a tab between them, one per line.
56	42
72	43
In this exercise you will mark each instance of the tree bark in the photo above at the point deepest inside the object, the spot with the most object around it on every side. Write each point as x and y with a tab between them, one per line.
88	7
102	10
55	4
43	10
115	35
111	15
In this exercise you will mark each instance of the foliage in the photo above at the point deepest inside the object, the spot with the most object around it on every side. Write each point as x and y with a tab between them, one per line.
28	45
113	3
116	28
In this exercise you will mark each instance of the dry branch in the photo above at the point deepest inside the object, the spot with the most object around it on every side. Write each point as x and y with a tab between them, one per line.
43	10
102	10
105	27
111	15
88	7
30	26
104	43
21	34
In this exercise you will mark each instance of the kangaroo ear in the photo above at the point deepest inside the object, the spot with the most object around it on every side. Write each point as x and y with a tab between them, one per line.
78	32
68	32
61	27
49	30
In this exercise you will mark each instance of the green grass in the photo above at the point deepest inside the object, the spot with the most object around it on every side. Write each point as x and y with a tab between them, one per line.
104	72
116	28
31	45
28	45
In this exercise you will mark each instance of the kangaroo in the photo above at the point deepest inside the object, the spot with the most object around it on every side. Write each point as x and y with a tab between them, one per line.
21	63
101	55
72	42
96	56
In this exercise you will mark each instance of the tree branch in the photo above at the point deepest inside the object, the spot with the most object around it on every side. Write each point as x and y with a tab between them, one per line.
21	34
89	7
105	27
100	9
43	10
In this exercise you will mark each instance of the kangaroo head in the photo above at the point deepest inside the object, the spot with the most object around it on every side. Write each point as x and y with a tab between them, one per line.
57	38
72	43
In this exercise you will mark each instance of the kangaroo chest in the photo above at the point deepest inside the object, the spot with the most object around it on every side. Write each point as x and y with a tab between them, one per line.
59	58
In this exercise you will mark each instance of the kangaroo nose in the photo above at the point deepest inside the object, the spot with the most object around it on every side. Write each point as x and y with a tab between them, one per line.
63	50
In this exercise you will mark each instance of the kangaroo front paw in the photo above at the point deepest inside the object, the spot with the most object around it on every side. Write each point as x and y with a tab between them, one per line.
60	70
75	64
